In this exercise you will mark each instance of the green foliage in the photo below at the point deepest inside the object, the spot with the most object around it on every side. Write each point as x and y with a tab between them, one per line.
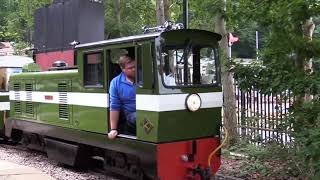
277	72
134	15
308	136
20	47
18	20
138	13
317	29
4	12
202	14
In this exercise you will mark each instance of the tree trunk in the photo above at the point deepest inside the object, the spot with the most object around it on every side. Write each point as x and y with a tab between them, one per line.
303	62
117	10
160	12
308	29
166	9
229	106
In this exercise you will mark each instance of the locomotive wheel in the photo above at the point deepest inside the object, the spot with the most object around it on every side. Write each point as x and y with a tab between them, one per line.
33	141
16	136
2	129
4	138
124	165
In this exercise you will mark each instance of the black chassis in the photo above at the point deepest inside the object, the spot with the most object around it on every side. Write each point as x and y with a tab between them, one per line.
145	152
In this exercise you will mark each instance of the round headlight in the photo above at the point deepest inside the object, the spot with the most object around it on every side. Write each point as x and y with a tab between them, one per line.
193	102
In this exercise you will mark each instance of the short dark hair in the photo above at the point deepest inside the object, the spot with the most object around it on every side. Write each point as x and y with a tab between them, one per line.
125	59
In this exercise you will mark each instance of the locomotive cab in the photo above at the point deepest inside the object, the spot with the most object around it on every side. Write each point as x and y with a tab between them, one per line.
169	65
179	64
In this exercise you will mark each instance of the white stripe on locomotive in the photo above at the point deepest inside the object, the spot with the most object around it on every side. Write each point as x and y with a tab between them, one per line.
4	106
175	102
157	103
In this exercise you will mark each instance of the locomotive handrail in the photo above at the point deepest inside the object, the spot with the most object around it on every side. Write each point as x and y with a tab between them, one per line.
167	26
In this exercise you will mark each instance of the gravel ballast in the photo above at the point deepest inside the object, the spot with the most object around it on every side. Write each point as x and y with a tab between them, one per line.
40	161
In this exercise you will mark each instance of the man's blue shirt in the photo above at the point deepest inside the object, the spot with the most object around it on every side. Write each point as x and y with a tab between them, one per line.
122	94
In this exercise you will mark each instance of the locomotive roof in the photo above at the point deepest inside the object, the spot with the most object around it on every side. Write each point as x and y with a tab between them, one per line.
119	40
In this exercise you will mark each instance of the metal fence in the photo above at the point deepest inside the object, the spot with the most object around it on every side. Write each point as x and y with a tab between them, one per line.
262	118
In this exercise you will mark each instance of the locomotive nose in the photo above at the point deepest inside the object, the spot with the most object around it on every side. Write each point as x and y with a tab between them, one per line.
187	159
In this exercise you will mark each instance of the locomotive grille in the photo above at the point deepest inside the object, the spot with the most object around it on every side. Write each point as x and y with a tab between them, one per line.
17	107
63	101
29	104
17	103
17	88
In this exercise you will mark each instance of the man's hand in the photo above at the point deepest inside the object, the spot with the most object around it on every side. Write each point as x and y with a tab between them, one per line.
112	134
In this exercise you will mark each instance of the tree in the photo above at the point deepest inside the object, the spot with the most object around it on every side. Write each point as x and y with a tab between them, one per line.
206	15
16	21
21	16
117	10
160	12
229	106
163	11
287	67
6	9
134	15
166	9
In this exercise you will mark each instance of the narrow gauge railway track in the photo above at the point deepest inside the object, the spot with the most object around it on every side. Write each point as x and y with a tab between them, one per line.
19	154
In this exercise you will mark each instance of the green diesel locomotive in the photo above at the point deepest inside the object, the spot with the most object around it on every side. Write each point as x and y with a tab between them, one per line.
65	111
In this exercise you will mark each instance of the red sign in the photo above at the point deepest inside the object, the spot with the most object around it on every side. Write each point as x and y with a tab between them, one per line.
46	97
232	39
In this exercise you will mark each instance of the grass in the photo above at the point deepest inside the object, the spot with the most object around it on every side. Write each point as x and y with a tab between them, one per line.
248	161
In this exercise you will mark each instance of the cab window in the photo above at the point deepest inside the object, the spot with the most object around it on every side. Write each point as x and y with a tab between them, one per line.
189	66
93	69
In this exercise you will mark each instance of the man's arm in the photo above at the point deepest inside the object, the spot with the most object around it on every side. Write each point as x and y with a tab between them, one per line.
114	119
114	110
